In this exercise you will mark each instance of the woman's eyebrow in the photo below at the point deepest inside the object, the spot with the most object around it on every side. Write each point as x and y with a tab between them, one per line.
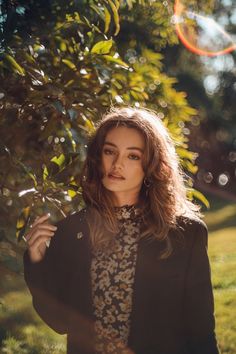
128	148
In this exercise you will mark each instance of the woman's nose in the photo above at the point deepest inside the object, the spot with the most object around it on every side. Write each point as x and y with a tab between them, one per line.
118	161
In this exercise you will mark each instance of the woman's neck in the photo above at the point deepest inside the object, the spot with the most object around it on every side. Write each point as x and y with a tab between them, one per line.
120	200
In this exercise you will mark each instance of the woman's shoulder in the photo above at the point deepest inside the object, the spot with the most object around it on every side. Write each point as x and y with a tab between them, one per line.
191	229
191	223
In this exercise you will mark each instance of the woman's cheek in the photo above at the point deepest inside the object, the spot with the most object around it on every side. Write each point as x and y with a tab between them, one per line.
107	162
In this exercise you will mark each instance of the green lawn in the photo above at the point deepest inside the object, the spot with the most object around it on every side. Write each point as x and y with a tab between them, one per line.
22	331
222	251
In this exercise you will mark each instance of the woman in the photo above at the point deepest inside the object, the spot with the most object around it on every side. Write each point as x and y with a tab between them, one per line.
130	272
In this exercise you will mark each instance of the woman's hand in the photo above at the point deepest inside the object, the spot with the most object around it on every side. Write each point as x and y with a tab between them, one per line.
38	236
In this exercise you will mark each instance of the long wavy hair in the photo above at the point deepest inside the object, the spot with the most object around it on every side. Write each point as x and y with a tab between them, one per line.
163	199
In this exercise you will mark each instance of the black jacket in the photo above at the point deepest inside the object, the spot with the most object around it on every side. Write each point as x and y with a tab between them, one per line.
172	312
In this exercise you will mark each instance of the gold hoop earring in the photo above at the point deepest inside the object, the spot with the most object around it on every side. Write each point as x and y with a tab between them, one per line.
147	182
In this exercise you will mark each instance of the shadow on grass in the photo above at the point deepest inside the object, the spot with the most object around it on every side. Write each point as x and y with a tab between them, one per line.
226	223
221	215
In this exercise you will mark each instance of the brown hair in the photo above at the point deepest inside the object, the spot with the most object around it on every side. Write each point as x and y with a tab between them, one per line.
162	202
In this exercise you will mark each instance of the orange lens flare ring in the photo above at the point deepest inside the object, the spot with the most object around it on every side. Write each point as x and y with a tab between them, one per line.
179	10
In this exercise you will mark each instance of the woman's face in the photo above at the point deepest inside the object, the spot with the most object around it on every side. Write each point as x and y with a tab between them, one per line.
122	156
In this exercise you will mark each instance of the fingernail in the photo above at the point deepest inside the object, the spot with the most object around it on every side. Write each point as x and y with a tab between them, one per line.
47	243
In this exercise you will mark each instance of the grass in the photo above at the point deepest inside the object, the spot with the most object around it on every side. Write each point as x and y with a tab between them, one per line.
222	252
22	331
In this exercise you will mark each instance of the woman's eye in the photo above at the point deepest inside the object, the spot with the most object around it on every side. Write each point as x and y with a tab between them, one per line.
134	157
108	152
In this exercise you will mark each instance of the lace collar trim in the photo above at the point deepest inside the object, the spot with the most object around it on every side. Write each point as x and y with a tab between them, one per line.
126	212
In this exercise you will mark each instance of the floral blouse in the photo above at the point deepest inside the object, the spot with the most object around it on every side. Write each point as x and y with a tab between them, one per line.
112	284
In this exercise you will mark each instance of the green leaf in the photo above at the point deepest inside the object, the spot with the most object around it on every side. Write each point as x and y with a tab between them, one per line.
29	58
59	160
186	154
74	17
102	47
71	193
117	3
107	20
193	193
58	164
89	124
22	223
33	178
63	46
10	61
73	188
45	173
98	10
130	4
73	143
116	60
189	166
69	64
87	22
27	170
116	16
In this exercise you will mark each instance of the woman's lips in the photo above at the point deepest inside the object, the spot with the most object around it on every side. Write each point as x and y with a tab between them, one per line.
115	177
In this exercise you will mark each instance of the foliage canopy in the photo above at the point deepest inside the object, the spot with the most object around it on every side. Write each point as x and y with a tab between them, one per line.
60	72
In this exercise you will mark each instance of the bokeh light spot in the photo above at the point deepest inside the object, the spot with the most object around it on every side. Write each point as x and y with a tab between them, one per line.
200	32
208	177
232	156
223	179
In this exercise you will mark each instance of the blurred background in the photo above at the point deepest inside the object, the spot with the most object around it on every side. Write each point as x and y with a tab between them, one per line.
62	65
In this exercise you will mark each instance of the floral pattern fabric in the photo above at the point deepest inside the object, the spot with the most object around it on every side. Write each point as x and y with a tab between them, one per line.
112	284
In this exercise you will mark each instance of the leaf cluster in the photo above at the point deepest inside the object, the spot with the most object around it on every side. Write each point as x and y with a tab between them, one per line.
56	85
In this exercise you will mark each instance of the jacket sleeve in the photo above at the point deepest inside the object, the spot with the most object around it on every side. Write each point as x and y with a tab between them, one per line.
47	282
199	303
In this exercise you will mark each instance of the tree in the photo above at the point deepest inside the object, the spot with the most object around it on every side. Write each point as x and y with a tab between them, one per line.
58	77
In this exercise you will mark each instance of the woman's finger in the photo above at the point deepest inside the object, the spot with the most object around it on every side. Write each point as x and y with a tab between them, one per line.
38	235
40	227
35	245
40	219
37	217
